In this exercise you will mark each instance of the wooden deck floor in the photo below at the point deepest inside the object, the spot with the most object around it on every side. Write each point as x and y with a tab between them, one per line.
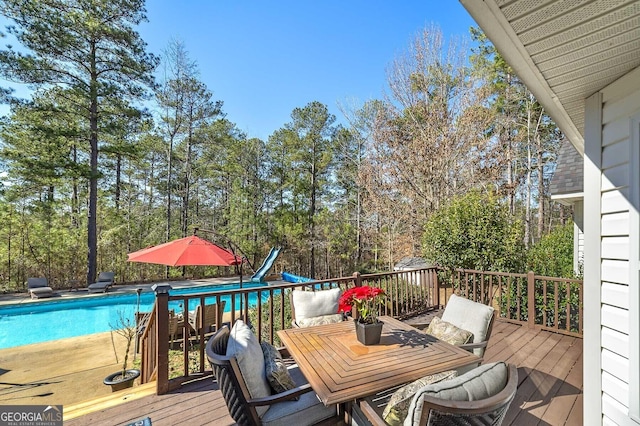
549	390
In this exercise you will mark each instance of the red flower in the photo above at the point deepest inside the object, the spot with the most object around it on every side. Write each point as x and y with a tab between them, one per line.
365	299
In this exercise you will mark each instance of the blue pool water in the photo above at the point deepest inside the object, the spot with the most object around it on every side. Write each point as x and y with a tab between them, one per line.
26	323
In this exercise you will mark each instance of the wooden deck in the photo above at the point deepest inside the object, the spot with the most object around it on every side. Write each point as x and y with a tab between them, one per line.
549	390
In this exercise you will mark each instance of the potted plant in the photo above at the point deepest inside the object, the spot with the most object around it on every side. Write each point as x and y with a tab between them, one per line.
124	378
366	300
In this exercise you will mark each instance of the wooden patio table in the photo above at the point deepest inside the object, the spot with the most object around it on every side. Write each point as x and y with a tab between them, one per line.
340	369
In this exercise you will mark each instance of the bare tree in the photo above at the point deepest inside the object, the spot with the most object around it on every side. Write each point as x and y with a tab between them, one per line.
429	136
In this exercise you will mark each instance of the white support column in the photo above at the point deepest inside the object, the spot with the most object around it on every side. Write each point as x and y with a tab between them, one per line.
592	374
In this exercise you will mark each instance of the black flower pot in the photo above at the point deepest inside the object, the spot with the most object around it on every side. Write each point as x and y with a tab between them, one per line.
369	334
117	382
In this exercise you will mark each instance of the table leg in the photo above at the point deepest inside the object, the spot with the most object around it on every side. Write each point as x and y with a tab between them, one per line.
344	412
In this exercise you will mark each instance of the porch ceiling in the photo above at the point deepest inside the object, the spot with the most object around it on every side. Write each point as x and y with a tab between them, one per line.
564	50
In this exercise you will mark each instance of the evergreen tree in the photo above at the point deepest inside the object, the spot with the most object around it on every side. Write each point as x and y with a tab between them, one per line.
90	48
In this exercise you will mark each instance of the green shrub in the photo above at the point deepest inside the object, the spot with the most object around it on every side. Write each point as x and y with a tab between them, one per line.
475	231
552	256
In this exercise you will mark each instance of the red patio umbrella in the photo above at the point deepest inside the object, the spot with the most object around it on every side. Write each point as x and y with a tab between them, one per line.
188	251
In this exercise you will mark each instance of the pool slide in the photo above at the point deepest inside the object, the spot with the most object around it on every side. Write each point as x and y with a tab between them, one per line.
291	278
266	265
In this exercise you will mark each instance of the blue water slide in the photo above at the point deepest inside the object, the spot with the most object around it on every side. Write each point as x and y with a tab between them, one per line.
266	265
291	278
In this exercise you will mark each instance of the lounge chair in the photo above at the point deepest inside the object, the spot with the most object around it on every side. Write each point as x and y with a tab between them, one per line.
105	281
39	288
212	317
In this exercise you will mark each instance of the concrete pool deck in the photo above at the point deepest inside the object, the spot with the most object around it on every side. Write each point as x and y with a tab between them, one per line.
65	371
70	371
13	298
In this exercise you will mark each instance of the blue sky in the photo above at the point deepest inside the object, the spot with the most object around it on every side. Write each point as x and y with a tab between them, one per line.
265	58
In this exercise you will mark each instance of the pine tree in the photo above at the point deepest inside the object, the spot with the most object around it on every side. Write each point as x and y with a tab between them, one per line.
90	48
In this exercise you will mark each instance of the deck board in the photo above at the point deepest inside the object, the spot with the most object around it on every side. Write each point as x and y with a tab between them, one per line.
549	391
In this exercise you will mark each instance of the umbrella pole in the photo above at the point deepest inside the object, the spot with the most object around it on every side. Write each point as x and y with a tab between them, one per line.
241	296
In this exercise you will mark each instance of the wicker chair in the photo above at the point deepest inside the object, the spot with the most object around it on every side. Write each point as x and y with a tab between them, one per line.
438	411
299	405
210	320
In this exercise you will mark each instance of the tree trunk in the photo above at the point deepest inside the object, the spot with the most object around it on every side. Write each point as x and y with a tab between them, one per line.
168	214
92	232
312	228
118	178
75	199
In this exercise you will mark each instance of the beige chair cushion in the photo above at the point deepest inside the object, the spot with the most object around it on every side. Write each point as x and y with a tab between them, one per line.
448	332
275	369
398	406
244	346
309	304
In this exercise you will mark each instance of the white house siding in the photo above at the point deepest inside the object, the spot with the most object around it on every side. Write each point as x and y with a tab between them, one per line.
578	236
620	101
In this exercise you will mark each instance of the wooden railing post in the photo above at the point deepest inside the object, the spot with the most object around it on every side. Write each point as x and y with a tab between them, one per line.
436	286
531	299
357	280
162	337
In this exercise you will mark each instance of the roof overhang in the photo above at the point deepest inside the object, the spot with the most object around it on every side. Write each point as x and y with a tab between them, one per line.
568	199
564	51
495	25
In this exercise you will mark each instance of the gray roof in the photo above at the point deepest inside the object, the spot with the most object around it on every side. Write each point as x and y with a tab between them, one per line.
568	177
411	263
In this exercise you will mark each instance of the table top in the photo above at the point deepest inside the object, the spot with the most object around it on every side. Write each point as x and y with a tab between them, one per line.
341	369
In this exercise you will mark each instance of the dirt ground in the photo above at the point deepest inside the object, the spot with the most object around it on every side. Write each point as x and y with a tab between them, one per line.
60	372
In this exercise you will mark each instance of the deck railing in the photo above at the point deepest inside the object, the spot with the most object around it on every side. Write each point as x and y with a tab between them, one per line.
549	303
268	309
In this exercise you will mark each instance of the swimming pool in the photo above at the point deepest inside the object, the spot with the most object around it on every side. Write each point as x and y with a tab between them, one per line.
27	323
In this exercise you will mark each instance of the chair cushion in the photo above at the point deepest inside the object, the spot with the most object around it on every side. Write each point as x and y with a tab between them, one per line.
307	410
448	332
41	290
275	369
398	406
309	304
244	346
33	283
323	319
479	383
471	316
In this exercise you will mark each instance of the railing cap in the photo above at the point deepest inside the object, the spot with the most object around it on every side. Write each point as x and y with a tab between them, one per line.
161	288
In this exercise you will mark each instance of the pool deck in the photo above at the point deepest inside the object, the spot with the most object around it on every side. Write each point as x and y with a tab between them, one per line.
69	371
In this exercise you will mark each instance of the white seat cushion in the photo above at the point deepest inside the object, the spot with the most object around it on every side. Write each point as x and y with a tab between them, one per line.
244	346
468	315
324	319
309	304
